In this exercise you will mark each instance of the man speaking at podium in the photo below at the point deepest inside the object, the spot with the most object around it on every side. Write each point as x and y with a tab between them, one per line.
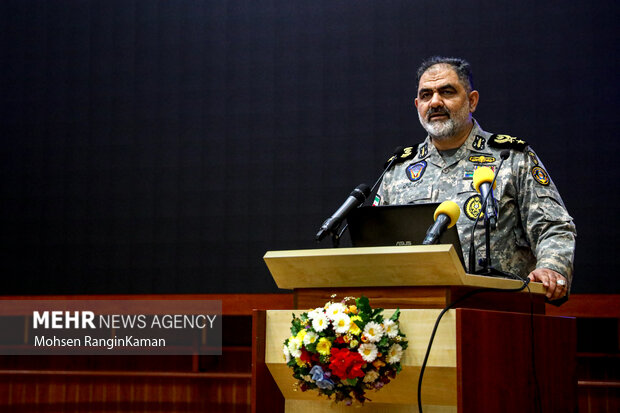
534	235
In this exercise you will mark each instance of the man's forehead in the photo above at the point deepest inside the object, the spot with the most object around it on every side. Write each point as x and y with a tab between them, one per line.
438	75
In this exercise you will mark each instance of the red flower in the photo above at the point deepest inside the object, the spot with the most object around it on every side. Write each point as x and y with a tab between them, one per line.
305	356
346	364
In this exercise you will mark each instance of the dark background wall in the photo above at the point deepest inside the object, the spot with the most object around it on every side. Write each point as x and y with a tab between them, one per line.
164	146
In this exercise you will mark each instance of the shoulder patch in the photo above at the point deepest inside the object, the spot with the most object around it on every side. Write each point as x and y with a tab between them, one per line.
407	153
507	142
540	175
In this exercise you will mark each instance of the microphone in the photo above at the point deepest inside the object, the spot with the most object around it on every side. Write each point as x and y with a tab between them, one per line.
483	179
355	199
446	215
505	154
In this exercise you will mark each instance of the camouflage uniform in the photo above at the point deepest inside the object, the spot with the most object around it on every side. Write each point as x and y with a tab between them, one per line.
534	230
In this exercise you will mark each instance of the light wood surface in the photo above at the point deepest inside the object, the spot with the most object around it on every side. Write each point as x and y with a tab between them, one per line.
440	377
420	265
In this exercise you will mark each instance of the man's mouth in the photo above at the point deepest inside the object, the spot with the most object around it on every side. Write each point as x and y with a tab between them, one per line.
438	116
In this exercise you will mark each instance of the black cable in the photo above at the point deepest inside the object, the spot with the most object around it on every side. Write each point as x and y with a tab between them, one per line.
448	307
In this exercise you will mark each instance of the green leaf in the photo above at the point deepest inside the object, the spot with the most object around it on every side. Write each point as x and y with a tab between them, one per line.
350	382
363	305
395	315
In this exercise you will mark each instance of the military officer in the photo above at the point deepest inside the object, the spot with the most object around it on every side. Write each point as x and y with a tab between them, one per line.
535	235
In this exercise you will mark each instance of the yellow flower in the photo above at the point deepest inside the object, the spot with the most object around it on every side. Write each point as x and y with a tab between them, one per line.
354	328
301	334
324	346
353	309
299	362
378	364
354	343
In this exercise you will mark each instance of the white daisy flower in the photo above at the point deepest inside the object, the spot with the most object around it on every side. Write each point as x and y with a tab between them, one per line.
315	313
335	309
395	353
294	347
391	328
287	353
341	323
320	323
368	352
310	338
371	376
373	332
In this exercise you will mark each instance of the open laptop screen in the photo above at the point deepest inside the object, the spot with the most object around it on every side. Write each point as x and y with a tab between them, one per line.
375	226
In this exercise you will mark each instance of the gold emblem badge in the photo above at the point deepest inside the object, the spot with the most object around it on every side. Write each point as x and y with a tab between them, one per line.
481	159
472	207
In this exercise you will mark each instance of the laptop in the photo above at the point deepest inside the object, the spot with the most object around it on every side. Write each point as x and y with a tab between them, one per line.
394	225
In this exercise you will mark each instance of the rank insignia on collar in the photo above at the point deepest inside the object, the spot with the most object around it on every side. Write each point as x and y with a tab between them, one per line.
478	143
416	170
540	175
533	157
472	207
423	151
507	142
482	159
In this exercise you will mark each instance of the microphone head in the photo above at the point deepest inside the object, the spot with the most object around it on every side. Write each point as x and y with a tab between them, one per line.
398	150
451	209
505	154
361	192
483	174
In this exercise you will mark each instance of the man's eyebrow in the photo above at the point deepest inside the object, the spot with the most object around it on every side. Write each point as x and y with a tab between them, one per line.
441	88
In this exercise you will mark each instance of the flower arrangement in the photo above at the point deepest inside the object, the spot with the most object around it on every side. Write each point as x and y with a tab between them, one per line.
344	350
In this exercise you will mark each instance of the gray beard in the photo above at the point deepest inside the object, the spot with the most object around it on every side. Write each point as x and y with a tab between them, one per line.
446	129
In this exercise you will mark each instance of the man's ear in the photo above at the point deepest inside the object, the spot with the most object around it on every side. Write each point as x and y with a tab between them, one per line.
473	100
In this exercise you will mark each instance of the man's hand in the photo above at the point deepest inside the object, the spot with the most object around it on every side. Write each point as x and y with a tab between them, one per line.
549	279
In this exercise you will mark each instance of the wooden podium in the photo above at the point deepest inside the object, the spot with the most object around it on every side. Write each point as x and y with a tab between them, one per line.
484	353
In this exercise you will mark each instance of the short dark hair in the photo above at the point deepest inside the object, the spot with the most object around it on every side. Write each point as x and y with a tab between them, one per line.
460	66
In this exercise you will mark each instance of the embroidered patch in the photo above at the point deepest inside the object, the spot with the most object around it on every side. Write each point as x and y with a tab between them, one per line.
472	207
377	200
468	175
533	157
416	170
507	142
482	159
404	154
423	151
540	175
479	143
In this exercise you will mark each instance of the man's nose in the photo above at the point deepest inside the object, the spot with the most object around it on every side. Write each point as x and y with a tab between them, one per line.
436	100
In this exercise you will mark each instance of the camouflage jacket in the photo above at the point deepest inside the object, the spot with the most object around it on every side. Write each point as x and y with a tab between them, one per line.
534	230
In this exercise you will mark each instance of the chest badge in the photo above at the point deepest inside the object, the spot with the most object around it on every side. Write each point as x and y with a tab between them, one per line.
540	175
472	207
482	159
416	170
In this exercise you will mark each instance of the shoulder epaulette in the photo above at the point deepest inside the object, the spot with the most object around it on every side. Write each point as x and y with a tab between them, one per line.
406	153
507	142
